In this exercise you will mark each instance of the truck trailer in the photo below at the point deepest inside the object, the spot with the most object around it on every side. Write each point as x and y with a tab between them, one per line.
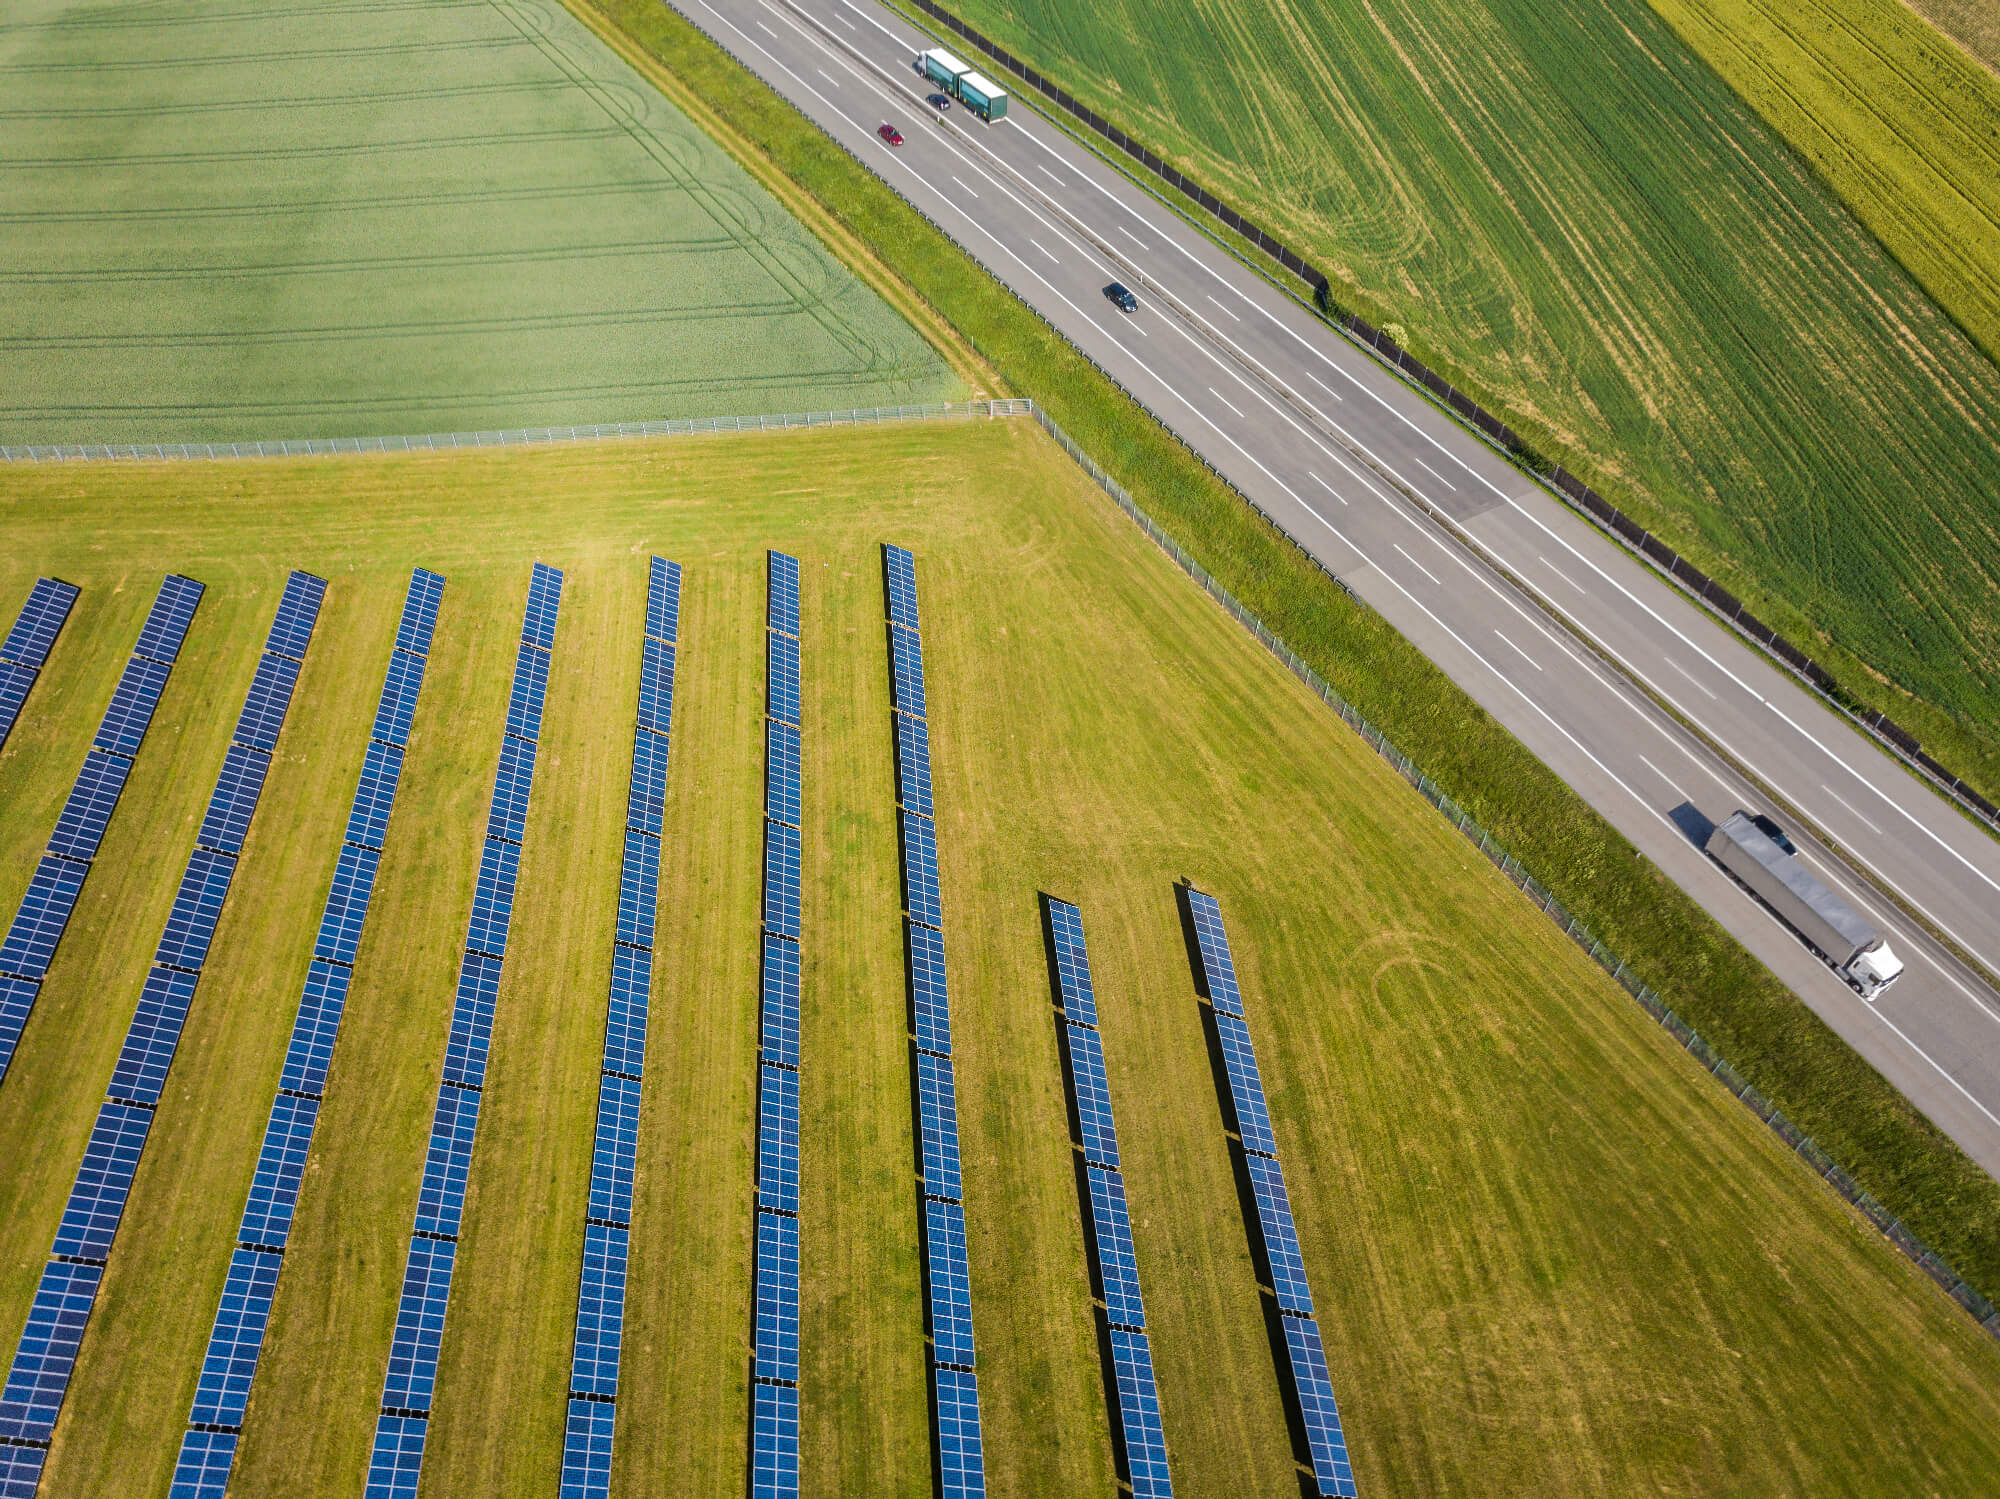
982	96
942	69
1843	939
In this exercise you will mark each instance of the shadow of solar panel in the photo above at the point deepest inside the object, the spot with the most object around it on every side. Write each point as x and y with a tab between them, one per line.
315	1029
777	1298
94	797
1246	1085
906	671
638	889
234	801
784	593
1217	964
625	1023
413	1354
508	816
141	1073
900	569
1093	1097
346	908
38	924
223	1393
298	612
656	687
600	1310
39	1376
545	587
921	894
781	772
1111	1240
1281	1237
930	998
663	600
123	727
782	678
17	998
167	622
493	898
197	908
1072	964
1316	1404
420	612
398	707
779	1019
281	1167
646	805
913	764
949	1283
1139	1414
615	1155
397	1458
15	684
586	1468
472	1021
447	1164
781	880
529	694
774	1441
202	1470
375	795
97	1199
777	1139
937	1127
961	1462
35	628
264	708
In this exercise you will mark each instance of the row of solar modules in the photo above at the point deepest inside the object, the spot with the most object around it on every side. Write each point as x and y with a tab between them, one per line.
26	649
947	1266
236	1337
53	890
1276	1230
403	1425
774	1393
1135	1393
39	1377
607	1229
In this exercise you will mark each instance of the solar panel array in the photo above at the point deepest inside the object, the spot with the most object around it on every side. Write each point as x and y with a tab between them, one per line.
39	1377
404	1423
26	649
38	925
236	1339
947	1267
774	1387
607	1229
1135	1396
1275	1231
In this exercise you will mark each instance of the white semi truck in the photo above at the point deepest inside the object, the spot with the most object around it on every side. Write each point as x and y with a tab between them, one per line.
1833	929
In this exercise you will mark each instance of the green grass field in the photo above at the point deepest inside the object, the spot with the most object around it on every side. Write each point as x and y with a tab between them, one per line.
1550	1254
355	218
1973	24
1568	212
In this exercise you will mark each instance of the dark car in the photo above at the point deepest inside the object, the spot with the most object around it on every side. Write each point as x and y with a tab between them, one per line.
1121	298
891	134
1772	831
941	101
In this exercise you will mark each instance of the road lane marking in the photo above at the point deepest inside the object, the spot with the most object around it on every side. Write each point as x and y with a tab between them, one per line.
767	31
1226	311
1051	176
1225	401
1327	487
1043	248
1563	575
1324	386
1133	237
973	191
1422	569
827	76
1434	473
1689	675
1850	807
1668	779
1523	654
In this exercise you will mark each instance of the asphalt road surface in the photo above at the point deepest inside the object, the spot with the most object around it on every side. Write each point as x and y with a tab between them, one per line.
1470	559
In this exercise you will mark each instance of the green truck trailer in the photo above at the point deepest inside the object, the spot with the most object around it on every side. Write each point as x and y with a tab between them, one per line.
981	95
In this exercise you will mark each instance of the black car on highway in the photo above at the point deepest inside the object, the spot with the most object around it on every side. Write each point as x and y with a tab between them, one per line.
1121	298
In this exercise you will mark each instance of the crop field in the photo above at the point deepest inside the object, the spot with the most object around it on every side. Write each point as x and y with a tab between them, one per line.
1559	203
222	222
1550	1255
1973	24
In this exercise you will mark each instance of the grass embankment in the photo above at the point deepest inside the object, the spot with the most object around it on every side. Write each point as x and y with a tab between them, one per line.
1785	1050
1572	217
1547	1250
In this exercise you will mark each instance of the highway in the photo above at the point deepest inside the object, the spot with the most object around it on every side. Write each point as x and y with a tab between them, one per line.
1596	663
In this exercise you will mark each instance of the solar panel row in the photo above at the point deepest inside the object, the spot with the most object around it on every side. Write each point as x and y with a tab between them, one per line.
600	1304
39	1376
402	1427
41	619
1276	1230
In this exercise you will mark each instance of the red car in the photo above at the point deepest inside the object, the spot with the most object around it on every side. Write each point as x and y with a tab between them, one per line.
891	134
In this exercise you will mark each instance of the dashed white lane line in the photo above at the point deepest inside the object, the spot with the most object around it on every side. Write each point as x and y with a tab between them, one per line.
1521	653
1850	807
1226	312
1564	576
827	76
1418	565
1667	778
1224	399
1051	176
1689	675
962	184
767	31
1044	249
1326	486
1424	466
1324	386
1133	237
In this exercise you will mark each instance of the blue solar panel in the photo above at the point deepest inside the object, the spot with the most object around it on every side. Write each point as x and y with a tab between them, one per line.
15	684
298	612
913	764
493	898
529	694
281	1168
774	1441
1093	1097
625	1022
413	1355
1111	1237
264	707
420	611
398	1457
1072	964
663	600
197	908
777	1298
1218	966
317	1026
1322	1417
600	1310
17	998
781	772
92	800
234	800
784	593
616	1154
929	995
399	699
223	1392
1246	1086
544	599
97	1200
782	678
123	728
937	1126
656	687
961	1460
921	894
375	794
347	904
141	1074
781	880
40	1373
40	620
777	1139
1139	1414
900	570
586	1469
167	622
202	1471
906	671
1281	1236
646	806
949	1283
638	889
512	782
472	1021
780	1017
447	1164
38	925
